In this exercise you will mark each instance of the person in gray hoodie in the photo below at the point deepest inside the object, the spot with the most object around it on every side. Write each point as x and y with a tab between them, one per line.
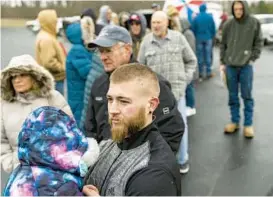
240	48
138	29
105	15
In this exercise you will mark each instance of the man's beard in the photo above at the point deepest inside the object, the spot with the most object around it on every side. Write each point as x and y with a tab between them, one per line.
128	127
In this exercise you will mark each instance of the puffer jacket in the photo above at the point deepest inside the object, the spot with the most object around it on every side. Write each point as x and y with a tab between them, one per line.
78	65
96	71
50	150
49	52
16	107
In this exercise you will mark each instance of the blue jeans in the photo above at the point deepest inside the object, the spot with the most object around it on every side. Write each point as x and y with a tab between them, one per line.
204	56
60	86
190	96
182	155
243	77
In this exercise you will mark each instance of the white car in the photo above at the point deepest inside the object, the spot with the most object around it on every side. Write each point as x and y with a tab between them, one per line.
34	25
266	21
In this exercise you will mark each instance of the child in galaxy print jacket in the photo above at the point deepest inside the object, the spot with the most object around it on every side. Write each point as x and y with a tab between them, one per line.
54	156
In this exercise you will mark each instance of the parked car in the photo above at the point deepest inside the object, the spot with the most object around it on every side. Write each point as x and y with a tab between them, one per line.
34	25
266	21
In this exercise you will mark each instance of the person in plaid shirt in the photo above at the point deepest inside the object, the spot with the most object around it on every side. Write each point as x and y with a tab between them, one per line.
167	52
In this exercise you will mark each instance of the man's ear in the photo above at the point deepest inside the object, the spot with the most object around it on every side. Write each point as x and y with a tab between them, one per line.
154	102
128	48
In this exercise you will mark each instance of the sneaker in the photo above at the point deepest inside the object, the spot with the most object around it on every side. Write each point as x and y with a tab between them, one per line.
184	168
249	132
231	128
190	111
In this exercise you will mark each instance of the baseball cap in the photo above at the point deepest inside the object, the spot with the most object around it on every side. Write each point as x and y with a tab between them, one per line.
111	35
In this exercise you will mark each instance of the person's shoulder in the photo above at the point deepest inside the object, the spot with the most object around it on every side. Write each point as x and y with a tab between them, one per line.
148	37
100	81
154	180
254	19
163	82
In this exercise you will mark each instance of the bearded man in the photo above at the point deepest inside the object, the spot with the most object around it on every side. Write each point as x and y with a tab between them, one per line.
136	161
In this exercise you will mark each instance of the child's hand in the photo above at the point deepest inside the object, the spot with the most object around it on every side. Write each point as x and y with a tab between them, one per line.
90	190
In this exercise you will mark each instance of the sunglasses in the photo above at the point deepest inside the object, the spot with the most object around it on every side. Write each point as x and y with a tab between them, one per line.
134	22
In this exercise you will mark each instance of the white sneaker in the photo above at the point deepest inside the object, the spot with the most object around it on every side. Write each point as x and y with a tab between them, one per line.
190	111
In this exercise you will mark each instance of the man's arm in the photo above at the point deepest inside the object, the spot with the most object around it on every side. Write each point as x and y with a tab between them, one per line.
153	181
223	43
141	54
257	43
189	58
168	119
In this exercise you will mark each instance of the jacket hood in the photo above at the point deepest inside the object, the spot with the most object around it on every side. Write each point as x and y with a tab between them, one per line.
203	7
25	64
48	21
83	32
74	33
245	7
123	18
185	24
143	23
51	138
102	20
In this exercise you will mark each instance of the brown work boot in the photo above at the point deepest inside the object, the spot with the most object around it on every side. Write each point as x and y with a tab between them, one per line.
231	128
249	132
211	75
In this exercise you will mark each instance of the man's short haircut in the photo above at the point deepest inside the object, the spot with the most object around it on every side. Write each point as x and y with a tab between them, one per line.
135	71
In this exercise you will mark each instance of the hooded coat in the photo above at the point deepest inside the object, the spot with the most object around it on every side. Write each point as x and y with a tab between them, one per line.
241	39
102	20
51	151
78	65
16	107
90	13
203	25
49	52
137	39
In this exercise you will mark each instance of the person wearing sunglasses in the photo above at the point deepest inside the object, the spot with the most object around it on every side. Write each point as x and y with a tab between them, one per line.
138	29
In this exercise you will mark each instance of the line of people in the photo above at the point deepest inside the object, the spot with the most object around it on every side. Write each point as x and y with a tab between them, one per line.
128	89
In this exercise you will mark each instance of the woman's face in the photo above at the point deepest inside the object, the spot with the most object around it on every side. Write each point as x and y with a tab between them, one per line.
22	83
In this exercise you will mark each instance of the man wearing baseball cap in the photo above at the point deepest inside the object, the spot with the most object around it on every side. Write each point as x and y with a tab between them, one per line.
114	45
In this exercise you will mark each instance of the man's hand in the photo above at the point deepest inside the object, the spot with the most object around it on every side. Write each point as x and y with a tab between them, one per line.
222	68
90	190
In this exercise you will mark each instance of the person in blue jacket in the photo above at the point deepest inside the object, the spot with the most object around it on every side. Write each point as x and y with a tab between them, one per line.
78	64
54	156
203	27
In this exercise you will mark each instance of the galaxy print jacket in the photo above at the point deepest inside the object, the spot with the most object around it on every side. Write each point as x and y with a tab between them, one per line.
50	151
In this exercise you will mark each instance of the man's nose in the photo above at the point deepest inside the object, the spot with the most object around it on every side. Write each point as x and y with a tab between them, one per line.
113	108
103	56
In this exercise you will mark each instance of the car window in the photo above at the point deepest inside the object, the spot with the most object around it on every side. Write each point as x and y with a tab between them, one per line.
269	20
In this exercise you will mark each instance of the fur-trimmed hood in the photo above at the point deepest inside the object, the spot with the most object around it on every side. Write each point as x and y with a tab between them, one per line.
25	64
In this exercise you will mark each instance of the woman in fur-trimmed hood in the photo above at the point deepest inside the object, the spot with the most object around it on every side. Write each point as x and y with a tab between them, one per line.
25	86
